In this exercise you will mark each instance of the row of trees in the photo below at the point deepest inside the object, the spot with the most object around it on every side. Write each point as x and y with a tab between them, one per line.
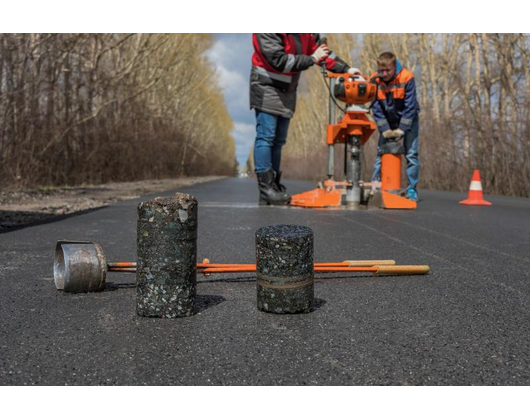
474	94
91	108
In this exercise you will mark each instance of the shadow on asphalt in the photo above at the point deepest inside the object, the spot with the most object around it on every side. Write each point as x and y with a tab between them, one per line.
204	302
16	220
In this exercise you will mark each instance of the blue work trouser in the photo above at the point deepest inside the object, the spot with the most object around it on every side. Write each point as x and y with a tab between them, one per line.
410	142
271	135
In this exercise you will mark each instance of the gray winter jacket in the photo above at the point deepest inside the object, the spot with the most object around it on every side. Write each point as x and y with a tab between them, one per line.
277	62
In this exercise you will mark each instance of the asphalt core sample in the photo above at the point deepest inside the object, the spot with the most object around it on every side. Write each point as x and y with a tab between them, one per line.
166	278
284	269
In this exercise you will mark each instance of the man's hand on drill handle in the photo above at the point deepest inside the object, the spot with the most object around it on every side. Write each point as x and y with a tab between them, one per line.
321	53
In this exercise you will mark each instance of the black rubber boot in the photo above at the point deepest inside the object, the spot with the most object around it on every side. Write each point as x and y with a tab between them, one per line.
279	186
268	192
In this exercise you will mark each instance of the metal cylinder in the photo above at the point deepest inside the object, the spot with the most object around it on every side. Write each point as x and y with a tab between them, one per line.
79	267
331	160
166	278
284	269
353	172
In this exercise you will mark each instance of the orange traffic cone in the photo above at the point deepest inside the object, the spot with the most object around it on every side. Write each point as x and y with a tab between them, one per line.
475	197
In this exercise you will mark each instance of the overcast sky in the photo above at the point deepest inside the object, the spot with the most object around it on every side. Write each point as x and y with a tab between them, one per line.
231	56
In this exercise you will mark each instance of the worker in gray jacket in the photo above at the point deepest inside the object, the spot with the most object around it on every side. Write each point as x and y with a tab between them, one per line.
277	62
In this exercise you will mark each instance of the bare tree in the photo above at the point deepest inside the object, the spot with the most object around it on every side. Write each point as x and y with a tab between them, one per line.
82	108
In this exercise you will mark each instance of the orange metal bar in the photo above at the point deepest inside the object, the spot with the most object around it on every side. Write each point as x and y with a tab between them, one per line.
228	268
327	264
121	264
251	269
125	266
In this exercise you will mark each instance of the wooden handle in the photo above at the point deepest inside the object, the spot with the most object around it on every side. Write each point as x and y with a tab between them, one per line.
396	270
369	263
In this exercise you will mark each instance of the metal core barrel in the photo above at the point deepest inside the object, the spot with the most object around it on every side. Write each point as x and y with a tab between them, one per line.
79	267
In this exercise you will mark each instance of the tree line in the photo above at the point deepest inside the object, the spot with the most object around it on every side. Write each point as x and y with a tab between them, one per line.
93	108
474	94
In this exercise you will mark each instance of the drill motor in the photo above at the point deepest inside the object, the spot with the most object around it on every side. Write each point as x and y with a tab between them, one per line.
353	90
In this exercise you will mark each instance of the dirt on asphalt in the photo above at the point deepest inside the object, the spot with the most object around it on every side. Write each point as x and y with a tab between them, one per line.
21	208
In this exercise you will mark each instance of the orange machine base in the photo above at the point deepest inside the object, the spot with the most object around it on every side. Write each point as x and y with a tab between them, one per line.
319	197
393	201
332	197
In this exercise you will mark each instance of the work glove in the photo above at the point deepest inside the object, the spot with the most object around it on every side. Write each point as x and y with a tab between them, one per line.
388	134
321	53
398	132
353	70
393	134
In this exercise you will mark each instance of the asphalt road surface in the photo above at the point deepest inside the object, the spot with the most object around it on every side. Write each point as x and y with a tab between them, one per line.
466	323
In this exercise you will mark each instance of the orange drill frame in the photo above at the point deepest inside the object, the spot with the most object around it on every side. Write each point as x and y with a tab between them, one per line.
353	123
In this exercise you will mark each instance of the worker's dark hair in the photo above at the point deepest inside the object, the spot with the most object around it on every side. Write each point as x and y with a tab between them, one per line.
386	59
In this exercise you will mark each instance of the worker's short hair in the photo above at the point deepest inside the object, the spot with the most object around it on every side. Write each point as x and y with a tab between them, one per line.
386	59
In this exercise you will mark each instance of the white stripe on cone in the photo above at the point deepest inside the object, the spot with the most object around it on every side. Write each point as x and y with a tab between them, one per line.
475	186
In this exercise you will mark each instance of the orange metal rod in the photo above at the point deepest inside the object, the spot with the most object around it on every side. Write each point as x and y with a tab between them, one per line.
376	270
348	263
246	268
120	265
251	269
201	265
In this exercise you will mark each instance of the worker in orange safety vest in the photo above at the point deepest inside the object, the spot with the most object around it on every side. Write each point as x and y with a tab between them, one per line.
396	112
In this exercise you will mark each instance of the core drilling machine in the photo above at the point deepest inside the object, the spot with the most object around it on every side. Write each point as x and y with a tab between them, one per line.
354	130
